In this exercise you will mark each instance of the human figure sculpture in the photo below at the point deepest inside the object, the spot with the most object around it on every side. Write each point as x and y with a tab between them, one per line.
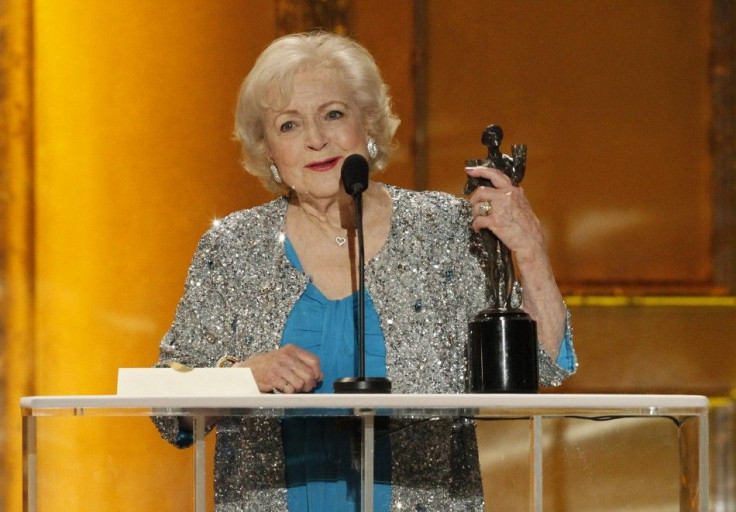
499	266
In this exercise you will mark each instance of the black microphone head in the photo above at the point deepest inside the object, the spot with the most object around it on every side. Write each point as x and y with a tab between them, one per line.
355	174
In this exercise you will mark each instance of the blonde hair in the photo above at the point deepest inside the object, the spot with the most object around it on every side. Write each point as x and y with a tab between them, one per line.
278	64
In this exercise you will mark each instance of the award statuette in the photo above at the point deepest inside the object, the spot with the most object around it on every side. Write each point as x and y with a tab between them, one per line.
502	346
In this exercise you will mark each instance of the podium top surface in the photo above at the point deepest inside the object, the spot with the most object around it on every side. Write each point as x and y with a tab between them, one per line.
479	405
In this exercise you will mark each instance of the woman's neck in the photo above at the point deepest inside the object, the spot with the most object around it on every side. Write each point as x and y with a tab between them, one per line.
336	213
326	243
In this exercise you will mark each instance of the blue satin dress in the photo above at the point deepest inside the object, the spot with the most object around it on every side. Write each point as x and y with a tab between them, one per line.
321	472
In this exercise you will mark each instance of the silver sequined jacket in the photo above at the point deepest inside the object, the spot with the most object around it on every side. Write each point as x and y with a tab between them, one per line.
425	285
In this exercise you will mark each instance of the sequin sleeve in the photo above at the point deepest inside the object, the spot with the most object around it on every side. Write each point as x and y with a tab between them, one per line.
551	373
199	321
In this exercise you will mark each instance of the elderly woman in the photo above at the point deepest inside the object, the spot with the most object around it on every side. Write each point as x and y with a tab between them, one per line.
273	288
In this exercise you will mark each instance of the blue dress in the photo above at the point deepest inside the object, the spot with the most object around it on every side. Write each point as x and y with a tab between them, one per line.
320	473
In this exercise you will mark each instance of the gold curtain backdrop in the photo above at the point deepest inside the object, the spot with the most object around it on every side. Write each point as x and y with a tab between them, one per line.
117	154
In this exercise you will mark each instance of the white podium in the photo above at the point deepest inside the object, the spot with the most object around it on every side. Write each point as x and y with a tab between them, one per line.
689	413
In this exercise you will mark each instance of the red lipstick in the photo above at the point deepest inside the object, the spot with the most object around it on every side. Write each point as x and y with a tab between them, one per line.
323	165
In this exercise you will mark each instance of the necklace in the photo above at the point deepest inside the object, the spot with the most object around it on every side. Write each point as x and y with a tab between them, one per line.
339	240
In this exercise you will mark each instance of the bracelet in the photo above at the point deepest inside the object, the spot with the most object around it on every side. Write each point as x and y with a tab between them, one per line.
226	359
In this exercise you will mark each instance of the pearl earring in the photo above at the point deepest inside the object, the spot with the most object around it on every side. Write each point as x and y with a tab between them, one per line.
275	174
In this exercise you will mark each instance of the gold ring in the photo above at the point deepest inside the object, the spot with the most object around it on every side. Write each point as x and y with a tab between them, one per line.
485	208
226	359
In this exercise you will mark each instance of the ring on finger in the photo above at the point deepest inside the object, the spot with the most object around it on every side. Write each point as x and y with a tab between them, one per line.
485	208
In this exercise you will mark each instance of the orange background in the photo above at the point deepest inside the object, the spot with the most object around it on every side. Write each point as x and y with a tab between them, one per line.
119	155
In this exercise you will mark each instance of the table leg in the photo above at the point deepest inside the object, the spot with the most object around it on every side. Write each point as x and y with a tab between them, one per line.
703	462
535	464
694	464
199	464
29	464
366	465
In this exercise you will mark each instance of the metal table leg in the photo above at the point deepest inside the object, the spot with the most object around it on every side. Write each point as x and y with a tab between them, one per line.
29	464
535	465
366	466
199	464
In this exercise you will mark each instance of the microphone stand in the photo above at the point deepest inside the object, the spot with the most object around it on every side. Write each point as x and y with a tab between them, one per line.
361	384
355	180
358	199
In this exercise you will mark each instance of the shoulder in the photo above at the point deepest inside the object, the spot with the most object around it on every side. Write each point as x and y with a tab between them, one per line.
267	216
242	232
439	209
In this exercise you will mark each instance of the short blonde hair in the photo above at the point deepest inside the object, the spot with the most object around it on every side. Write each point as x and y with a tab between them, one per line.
278	64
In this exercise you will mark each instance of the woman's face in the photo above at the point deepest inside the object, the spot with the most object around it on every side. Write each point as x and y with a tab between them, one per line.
310	138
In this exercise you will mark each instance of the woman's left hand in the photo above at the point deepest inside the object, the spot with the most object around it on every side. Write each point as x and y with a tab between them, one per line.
510	216
506	211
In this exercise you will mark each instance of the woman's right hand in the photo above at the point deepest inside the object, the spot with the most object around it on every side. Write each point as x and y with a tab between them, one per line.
289	369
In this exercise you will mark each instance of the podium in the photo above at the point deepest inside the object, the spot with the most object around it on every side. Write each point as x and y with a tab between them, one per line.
688	413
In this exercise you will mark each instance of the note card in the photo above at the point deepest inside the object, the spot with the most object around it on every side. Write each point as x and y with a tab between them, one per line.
194	382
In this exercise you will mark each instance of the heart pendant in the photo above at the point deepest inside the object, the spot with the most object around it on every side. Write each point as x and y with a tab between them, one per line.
340	241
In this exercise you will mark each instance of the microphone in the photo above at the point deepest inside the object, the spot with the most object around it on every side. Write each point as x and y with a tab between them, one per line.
354	174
